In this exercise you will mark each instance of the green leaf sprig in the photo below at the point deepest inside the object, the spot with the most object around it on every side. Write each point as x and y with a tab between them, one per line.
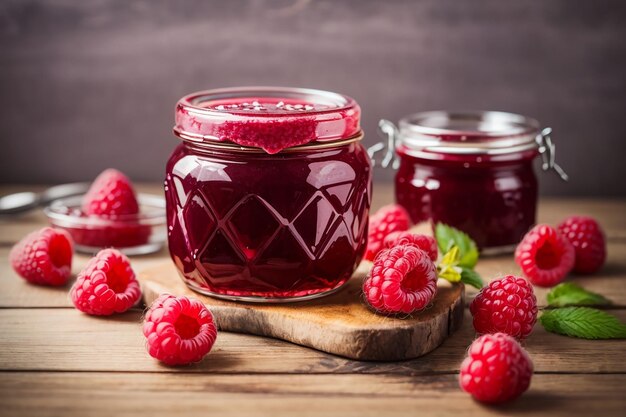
570	294
583	322
460	256
566	316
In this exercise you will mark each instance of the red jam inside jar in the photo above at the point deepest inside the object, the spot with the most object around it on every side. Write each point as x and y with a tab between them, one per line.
268	195
473	171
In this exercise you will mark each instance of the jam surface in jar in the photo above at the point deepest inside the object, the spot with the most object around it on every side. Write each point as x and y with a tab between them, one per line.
247	224
470	170
494	202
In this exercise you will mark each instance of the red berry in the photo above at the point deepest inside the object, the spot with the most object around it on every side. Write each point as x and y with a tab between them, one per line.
106	286
545	256
389	219
496	369
111	194
426	243
506	305
43	257
587	237
179	330
402	280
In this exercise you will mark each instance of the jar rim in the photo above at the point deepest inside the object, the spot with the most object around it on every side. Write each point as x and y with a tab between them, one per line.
469	132
269	118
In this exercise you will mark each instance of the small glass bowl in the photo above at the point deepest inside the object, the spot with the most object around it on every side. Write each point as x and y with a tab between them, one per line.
136	234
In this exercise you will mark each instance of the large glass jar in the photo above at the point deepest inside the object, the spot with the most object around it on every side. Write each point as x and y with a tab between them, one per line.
268	195
471	170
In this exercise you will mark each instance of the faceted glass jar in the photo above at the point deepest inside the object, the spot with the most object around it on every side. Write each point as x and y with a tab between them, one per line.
250	225
473	171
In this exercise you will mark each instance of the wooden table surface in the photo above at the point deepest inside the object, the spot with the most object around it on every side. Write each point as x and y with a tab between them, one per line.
56	361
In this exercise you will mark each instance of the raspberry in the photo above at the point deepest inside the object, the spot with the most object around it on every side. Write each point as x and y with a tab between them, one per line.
179	330
545	256
506	305
111	194
106	286
426	243
496	369
402	280
389	219
587	237
43	257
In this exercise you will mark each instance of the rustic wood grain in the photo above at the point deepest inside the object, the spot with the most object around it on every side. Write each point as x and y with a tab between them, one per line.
65	339
339	323
97	394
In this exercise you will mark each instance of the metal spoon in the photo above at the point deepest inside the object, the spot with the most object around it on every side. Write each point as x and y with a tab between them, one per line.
26	201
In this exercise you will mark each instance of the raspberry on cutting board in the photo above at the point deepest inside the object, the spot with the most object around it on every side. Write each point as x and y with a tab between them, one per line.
545	256
106	286
587	237
388	219
179	330
497	369
111	194
43	257
402	280
426	243
506	305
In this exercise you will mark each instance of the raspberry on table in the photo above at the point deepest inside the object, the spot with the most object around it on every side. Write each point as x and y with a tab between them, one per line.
402	280
388	219
587	237
426	243
506	305
111	194
545	256
179	330
43	257
497	369
106	286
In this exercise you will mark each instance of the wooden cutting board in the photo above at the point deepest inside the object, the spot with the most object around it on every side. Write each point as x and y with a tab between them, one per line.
340	323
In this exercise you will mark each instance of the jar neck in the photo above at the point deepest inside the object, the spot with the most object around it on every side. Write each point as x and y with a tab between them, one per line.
211	147
466	160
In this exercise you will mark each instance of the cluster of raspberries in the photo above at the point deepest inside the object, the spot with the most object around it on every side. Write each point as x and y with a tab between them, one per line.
403	280
178	330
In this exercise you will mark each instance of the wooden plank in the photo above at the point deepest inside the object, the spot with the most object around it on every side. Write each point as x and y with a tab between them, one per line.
340	323
106	394
15	292
66	340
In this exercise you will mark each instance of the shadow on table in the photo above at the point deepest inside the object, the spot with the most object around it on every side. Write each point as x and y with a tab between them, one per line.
531	401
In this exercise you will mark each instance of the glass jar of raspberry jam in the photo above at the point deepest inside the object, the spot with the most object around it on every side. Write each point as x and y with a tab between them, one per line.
470	170
268	194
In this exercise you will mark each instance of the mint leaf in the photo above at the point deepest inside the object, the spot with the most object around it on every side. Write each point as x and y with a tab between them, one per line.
448	236
471	277
570	294
583	322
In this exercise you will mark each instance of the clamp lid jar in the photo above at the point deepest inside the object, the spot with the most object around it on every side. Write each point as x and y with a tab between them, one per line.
471	170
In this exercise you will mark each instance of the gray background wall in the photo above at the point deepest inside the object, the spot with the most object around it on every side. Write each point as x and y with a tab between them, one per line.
85	85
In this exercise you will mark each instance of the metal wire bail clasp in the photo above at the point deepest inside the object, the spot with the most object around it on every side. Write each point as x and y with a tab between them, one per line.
547	149
389	132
